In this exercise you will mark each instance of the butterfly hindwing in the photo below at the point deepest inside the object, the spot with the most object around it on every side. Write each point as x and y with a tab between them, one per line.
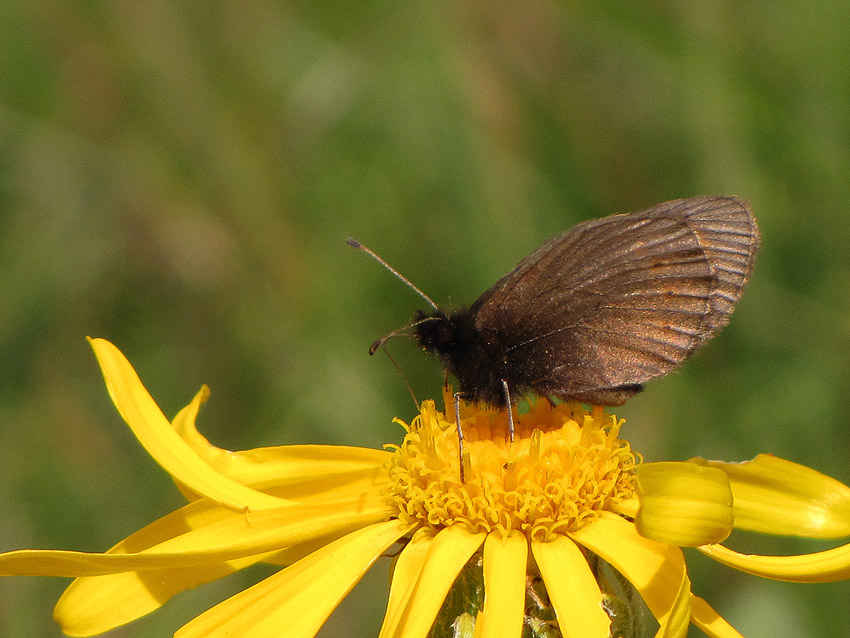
611	303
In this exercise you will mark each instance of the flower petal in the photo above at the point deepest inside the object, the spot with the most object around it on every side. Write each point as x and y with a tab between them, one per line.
505	562
236	536
820	567
56	562
192	545
95	604
266	530
281	466
449	551
775	496
572	588
301	597
405	574
676	624
683	504
156	435
656	570
709	621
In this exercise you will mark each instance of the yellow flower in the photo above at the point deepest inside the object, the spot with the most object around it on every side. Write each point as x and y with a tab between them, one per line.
566	510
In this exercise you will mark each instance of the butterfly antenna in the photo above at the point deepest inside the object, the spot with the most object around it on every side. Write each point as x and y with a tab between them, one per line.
356	244
400	371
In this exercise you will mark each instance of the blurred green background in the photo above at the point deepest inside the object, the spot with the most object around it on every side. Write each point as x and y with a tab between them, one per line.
180	178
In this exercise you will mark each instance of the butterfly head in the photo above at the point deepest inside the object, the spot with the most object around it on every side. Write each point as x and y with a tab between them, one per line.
439	333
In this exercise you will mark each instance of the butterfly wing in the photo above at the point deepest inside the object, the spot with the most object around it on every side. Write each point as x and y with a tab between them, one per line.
611	303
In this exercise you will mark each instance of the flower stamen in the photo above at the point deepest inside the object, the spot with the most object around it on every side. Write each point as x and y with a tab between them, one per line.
565	465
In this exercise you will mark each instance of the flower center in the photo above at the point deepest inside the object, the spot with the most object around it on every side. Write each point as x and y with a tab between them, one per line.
565	466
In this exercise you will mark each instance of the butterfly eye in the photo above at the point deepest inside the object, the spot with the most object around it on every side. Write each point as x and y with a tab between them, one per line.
444	335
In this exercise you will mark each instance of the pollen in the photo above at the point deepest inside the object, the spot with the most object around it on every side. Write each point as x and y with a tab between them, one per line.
565	466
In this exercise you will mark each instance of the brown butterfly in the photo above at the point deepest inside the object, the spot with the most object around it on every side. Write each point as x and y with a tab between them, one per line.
600	309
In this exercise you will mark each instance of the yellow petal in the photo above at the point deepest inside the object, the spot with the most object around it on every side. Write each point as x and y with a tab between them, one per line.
234	536
676	624
61	563
656	570
297	600
405	574
683	504
709	621
307	473
820	567
627	508
277	466
155	433
266	530
50	562
118	587
572	588
775	496
450	550
95	604
504	586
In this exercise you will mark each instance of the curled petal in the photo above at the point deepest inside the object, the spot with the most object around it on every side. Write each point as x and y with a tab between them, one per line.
282	468
155	433
683	504
820	567
775	496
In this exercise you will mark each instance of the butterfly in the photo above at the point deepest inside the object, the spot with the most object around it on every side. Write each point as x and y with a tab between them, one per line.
600	309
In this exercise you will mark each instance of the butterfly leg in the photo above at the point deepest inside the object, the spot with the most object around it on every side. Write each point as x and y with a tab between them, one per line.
510	409
457	396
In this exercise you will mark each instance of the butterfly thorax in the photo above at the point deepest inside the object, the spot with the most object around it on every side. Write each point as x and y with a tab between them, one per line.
456	341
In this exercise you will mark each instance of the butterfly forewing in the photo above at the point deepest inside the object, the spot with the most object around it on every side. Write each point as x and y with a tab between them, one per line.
614	302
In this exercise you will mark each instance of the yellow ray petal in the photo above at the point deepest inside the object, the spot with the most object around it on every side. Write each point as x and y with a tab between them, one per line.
775	496
572	588
450	550
709	621
683	504
155	433
146	580
281	465
627	508
504	586
266	530
676	624
55	562
656	570
405	575
59	563
819	567
232	537
92	605
297	600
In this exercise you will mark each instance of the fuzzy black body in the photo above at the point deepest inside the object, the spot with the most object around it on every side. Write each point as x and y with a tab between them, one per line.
478	366
603	307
